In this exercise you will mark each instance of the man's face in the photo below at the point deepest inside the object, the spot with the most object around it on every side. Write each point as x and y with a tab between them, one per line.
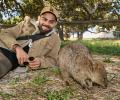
47	21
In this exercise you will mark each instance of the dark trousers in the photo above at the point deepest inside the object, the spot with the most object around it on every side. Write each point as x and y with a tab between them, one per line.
8	60
5	65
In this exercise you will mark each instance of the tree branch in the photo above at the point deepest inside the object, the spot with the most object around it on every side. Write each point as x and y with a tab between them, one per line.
90	22
18	4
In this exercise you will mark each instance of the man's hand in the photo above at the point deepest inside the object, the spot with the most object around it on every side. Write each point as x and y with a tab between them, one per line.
34	64
21	55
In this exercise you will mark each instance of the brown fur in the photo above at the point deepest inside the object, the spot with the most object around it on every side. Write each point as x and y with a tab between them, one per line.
29	26
76	61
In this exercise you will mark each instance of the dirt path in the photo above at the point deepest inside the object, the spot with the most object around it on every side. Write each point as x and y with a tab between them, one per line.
46	84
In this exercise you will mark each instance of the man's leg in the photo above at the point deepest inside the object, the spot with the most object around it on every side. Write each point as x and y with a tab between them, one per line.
5	65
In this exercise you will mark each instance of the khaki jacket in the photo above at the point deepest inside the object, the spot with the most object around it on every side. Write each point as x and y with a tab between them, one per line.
46	48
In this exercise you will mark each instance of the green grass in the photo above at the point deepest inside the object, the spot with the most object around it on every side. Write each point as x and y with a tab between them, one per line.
58	95
14	81
39	80
5	96
55	70
107	47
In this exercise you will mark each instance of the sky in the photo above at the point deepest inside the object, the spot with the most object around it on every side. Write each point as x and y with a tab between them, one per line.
15	13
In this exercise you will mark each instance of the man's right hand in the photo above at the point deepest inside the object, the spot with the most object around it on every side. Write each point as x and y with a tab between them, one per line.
21	55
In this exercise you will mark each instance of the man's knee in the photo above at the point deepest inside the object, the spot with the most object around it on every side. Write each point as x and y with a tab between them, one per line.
5	65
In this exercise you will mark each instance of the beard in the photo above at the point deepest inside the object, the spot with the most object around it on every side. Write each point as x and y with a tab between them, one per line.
45	28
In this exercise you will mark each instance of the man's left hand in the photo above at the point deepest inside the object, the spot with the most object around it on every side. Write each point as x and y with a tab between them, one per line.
35	64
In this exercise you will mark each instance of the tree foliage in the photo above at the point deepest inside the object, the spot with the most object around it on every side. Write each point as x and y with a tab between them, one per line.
69	9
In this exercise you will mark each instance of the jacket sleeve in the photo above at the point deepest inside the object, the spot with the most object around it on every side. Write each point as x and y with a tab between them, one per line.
8	36
50	59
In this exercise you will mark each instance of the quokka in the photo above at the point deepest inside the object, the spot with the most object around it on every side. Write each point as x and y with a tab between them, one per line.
75	61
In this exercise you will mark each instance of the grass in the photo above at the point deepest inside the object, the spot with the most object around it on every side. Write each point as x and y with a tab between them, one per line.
39	80
39	85
55	70
58	95
107	47
5	96
14	81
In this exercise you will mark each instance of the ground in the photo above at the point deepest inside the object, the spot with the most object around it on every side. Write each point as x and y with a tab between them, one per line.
46	84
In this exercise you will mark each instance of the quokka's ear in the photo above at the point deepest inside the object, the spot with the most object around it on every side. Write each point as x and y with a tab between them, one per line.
25	22
27	19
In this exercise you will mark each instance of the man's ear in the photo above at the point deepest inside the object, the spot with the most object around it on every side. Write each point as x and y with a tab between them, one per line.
38	17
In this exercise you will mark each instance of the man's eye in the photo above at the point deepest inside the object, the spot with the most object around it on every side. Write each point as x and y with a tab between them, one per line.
52	21
44	19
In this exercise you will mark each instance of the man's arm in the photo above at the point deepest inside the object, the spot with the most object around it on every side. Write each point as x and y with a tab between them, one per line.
50	59
8	36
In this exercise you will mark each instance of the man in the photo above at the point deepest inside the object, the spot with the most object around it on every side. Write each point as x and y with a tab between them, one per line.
15	48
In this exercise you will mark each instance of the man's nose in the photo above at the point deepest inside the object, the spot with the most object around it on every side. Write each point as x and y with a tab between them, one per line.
47	23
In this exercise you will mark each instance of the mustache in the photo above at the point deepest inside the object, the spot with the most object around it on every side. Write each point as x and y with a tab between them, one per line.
47	26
